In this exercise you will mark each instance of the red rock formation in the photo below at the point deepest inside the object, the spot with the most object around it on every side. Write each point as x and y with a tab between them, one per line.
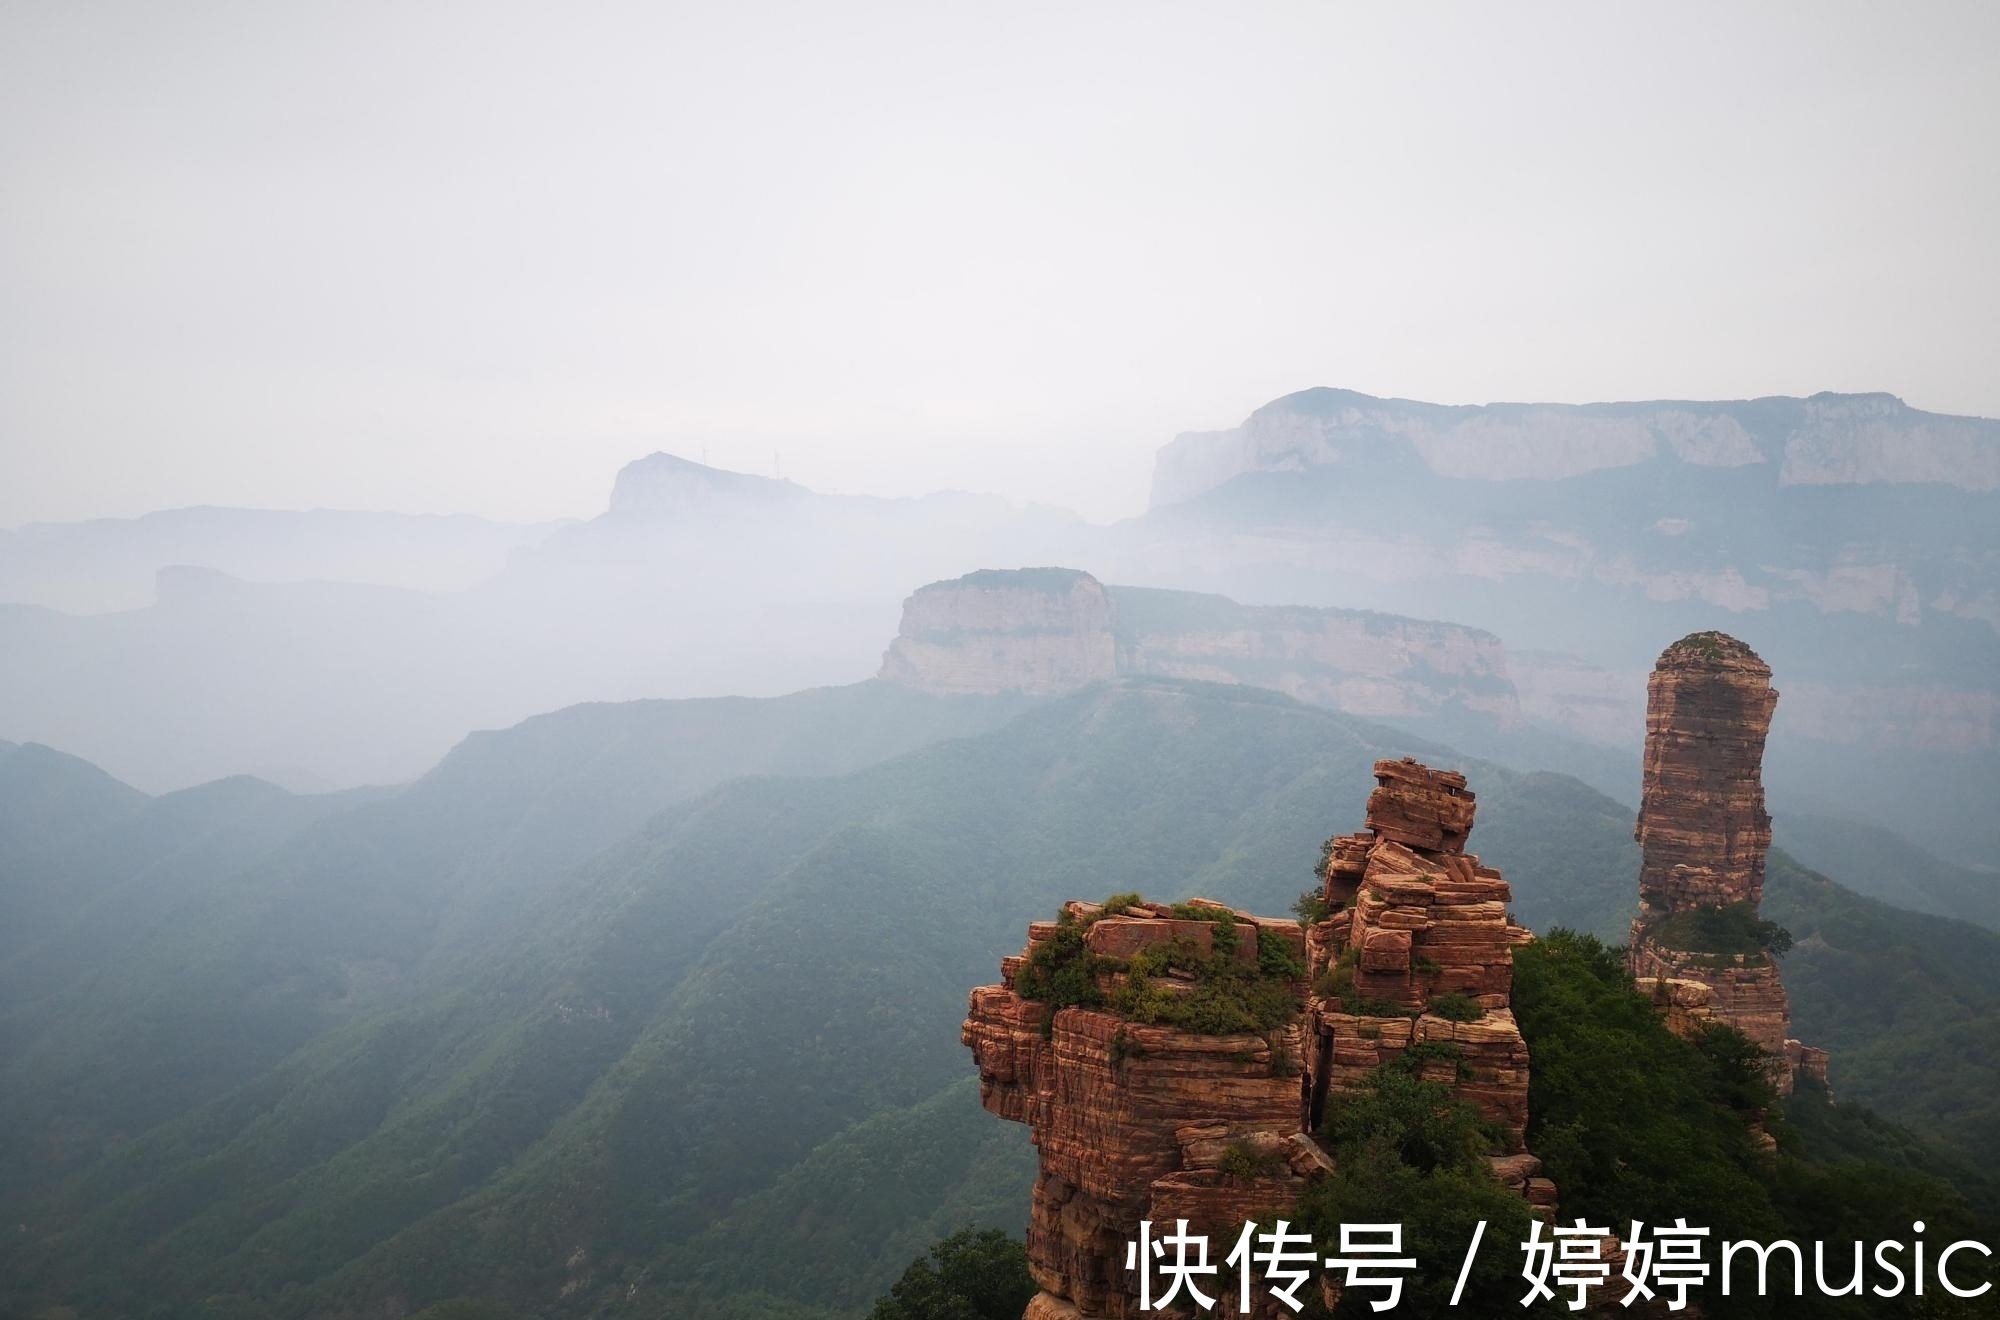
1704	834
1702	822
1418	918
1136	1121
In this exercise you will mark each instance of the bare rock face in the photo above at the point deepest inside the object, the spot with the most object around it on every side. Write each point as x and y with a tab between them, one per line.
1704	835
1702	822
1745	992
1033	630
1417	918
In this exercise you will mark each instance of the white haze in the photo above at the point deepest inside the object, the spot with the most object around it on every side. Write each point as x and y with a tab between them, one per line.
470	257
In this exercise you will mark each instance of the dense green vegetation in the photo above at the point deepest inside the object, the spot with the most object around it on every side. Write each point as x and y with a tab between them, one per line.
1733	930
1407	1151
1880	864
1220	995
1634	1123
465	1308
967	1276
1909	1004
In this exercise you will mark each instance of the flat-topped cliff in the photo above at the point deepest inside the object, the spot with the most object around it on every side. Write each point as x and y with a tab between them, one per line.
1044	630
1033	630
1154	1052
1828	439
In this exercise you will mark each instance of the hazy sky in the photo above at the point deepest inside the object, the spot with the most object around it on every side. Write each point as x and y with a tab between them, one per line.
442	257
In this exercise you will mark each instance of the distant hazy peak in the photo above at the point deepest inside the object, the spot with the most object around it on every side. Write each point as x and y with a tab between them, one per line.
1825	439
667	483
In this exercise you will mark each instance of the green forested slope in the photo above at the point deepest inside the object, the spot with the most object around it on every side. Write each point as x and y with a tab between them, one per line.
714	1069
199	948
1877	863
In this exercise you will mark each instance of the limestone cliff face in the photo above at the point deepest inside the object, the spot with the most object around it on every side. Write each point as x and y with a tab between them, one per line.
1704	834
1037	630
1352	660
1828	439
1055	630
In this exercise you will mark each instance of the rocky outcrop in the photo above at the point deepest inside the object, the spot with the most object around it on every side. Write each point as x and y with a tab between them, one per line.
1050	630
1034	630
1134	1121
1745	992
1417	925
1704	834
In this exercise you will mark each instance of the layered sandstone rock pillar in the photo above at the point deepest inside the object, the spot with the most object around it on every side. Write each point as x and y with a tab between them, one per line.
1704	835
1702	823
1417	953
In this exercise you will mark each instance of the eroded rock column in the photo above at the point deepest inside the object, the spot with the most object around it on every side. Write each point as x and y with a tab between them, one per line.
1705	834
1418	954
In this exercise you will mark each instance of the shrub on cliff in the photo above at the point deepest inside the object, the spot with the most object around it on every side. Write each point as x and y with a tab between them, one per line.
1727	931
967	1276
1407	1151
1311	907
1456	1006
1225	998
1174	985
1061	971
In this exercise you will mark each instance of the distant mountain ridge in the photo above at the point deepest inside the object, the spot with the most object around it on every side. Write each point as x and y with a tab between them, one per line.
1852	540
105	564
1827	439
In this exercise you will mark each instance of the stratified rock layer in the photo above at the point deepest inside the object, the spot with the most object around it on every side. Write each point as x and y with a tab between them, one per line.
1704	835
1417	917
1144	1122
1134	1121
1702	823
